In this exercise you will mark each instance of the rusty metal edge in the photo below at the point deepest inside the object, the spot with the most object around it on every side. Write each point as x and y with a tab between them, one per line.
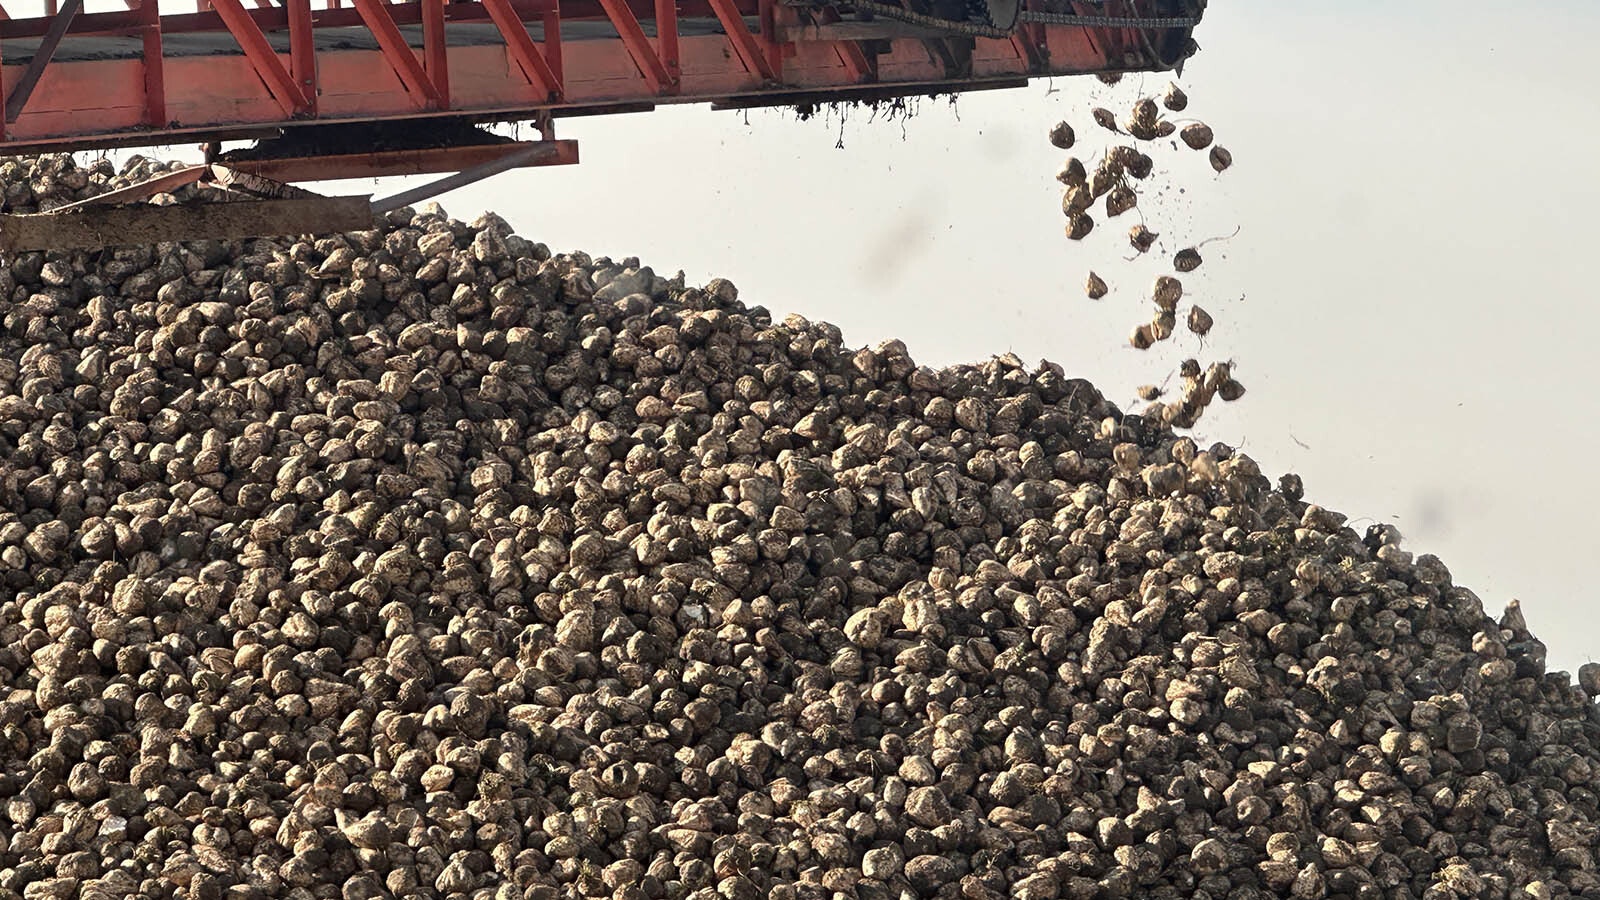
143	224
144	190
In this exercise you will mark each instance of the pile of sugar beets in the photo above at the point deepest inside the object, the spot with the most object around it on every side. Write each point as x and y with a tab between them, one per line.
422	562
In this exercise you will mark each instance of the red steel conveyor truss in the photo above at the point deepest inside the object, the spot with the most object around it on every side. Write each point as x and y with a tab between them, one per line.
259	69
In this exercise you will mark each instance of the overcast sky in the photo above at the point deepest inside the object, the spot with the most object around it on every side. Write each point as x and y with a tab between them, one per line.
1407	298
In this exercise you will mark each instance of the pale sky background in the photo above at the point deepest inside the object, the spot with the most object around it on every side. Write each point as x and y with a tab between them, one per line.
1409	299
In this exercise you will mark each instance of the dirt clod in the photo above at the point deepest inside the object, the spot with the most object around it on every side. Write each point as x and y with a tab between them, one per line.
1096	287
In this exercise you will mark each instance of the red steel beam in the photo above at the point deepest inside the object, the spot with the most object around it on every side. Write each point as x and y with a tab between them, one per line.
140	99
638	46
302	50
106	24
126	22
767	15
522	49
395	49
1033	39
155	79
550	19
435	49
262	57
667	39
862	67
1026	48
750	52
1107	40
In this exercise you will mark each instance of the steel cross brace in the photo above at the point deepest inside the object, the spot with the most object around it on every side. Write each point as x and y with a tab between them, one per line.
542	72
18	98
253	41
651	64
750	50
398	53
